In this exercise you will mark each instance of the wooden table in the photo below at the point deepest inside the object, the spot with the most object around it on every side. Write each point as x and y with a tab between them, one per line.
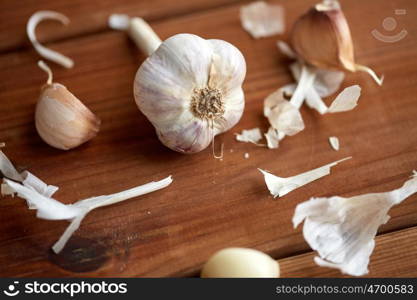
212	204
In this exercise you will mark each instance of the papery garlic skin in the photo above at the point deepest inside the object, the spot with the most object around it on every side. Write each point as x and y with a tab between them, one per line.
62	120
342	230
240	263
191	90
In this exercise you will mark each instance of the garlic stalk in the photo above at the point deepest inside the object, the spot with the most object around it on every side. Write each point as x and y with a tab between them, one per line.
280	186
343	230
61	119
46	53
189	88
322	38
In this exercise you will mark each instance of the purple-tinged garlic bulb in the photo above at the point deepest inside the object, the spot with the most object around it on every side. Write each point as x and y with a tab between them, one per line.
189	88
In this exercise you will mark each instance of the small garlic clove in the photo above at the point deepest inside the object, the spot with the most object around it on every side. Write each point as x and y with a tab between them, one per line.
240	263
322	38
61	119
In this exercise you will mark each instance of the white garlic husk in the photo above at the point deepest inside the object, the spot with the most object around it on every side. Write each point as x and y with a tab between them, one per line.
189	88
61	119
240	263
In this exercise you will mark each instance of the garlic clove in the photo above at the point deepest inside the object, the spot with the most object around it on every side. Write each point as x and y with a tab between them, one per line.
61	119
322	38
240	263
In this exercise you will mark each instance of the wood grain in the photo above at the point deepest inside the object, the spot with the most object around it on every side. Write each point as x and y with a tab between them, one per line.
87	17
212	204
394	256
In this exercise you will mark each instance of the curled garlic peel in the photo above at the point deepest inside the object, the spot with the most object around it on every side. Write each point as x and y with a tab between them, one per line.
46	53
191	90
61	119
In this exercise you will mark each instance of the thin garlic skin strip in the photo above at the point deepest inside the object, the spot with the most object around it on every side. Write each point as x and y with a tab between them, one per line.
51	209
26	178
280	186
47	53
250	136
342	230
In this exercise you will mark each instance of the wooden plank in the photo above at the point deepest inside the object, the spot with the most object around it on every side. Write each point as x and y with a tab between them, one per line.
395	255
87	17
212	204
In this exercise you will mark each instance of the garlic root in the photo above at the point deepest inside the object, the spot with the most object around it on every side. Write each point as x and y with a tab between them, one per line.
47	53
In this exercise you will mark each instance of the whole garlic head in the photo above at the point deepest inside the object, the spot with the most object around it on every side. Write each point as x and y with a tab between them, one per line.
62	120
240	263
191	90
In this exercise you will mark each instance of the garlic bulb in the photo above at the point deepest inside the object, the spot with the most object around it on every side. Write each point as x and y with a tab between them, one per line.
322	38
62	120
240	263
189	88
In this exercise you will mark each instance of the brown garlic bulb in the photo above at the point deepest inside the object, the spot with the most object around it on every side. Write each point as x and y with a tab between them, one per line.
62	120
322	38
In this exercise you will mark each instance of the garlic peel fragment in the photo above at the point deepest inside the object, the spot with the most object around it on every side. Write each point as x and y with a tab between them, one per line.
272	138
282	115
51	209
280	186
261	19
346	100
26	178
334	143
47	53
342	230
250	136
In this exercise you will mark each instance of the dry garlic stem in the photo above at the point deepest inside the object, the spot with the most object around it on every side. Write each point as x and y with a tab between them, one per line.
62	120
240	263
189	88
46	53
322	38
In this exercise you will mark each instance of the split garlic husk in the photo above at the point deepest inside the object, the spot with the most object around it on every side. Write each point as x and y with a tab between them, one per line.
240	263
38	196
280	186
322	38
62	120
189	88
46	53
342	230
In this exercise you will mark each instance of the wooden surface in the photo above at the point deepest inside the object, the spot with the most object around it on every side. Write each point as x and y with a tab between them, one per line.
212	204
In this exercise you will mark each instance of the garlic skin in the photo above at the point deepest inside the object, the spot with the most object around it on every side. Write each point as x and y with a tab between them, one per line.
322	38
61	119
191	90
240	263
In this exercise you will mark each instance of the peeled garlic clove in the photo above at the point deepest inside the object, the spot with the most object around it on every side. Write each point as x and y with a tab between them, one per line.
240	263
322	38
62	120
189	88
